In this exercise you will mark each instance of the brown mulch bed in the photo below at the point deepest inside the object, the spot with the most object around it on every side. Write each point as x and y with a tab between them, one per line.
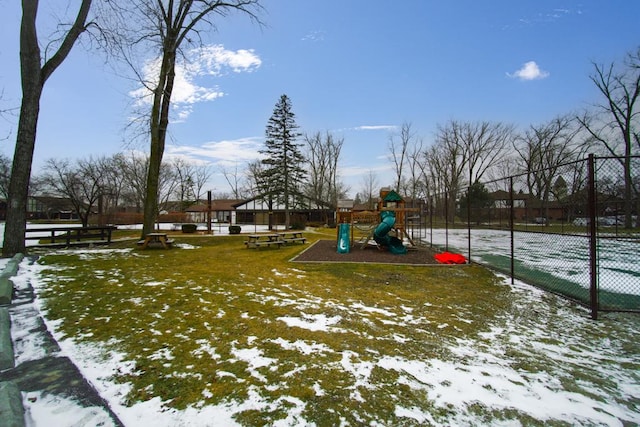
326	251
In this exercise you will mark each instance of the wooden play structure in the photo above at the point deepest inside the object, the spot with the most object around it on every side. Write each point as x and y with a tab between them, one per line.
367	221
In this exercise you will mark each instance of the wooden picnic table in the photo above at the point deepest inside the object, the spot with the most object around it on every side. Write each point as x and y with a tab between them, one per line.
156	239
293	237
254	241
69	236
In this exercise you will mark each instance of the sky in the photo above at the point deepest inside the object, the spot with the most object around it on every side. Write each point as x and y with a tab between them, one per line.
358	69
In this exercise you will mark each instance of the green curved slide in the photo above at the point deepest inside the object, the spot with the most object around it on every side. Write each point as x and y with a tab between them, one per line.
381	236
344	239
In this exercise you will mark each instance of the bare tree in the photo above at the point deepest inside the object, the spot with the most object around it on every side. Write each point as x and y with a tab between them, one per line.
399	150
616	121
190	179
323	155
167	184
370	187
166	28
415	185
235	179
134	167
34	72
450	157
544	150
201	175
463	153
253	173
442	174
486	146
113	182
184	187
81	183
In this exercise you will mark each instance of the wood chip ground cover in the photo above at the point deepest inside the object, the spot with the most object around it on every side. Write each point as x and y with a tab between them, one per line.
212	326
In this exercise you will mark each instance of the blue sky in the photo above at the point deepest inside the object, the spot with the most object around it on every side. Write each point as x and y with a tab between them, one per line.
355	68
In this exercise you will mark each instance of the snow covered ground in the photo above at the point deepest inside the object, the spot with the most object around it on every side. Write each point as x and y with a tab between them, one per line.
565	257
483	373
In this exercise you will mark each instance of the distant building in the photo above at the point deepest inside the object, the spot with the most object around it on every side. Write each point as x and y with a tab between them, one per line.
261	210
526	207
50	208
222	210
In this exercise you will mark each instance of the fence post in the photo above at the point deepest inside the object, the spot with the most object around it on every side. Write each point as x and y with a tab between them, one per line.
593	238
431	211
446	221
469	222
511	213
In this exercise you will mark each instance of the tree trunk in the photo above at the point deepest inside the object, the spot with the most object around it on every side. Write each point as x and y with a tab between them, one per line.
32	83
16	222
159	124
32	77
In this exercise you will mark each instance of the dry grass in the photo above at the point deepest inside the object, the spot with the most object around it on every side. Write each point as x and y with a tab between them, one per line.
187	318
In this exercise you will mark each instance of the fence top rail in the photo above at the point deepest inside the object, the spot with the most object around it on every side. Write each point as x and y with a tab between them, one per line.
53	229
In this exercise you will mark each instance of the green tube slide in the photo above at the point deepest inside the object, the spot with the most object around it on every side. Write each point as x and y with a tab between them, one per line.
381	236
344	239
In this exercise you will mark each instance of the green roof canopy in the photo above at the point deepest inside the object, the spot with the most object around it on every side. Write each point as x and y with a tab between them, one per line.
392	196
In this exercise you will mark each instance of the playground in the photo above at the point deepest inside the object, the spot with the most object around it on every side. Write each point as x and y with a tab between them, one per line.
211	331
380	236
384	228
325	251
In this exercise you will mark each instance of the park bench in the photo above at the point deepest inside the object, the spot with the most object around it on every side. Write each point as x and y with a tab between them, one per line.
71	236
156	239
293	237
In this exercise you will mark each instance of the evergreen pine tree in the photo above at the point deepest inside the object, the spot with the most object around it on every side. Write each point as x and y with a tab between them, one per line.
283	171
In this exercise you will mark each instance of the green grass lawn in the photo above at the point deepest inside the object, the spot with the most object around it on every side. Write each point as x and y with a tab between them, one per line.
213	323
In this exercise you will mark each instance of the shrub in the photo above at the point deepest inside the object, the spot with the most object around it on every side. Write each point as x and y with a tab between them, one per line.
234	229
189	228
298	222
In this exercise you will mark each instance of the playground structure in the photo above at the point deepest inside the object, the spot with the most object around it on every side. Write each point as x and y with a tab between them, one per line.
386	227
344	225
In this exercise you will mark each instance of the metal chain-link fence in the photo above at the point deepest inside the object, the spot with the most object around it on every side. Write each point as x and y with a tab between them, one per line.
572	230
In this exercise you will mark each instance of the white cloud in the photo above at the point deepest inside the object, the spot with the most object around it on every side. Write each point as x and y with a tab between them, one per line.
227	152
211	61
376	127
314	36
529	71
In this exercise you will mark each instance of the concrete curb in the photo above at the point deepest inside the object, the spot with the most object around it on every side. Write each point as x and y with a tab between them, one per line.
6	292
6	285
11	409
6	346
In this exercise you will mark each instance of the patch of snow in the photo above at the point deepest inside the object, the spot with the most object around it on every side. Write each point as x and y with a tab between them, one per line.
313	322
51	410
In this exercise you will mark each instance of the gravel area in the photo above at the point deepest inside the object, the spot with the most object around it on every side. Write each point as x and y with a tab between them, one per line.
326	251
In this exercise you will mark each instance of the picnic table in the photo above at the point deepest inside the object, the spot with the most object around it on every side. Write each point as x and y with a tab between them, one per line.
156	239
255	241
69	236
292	237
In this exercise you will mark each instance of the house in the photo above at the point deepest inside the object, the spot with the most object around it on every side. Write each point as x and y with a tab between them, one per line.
525	207
51	208
222	210
263	210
